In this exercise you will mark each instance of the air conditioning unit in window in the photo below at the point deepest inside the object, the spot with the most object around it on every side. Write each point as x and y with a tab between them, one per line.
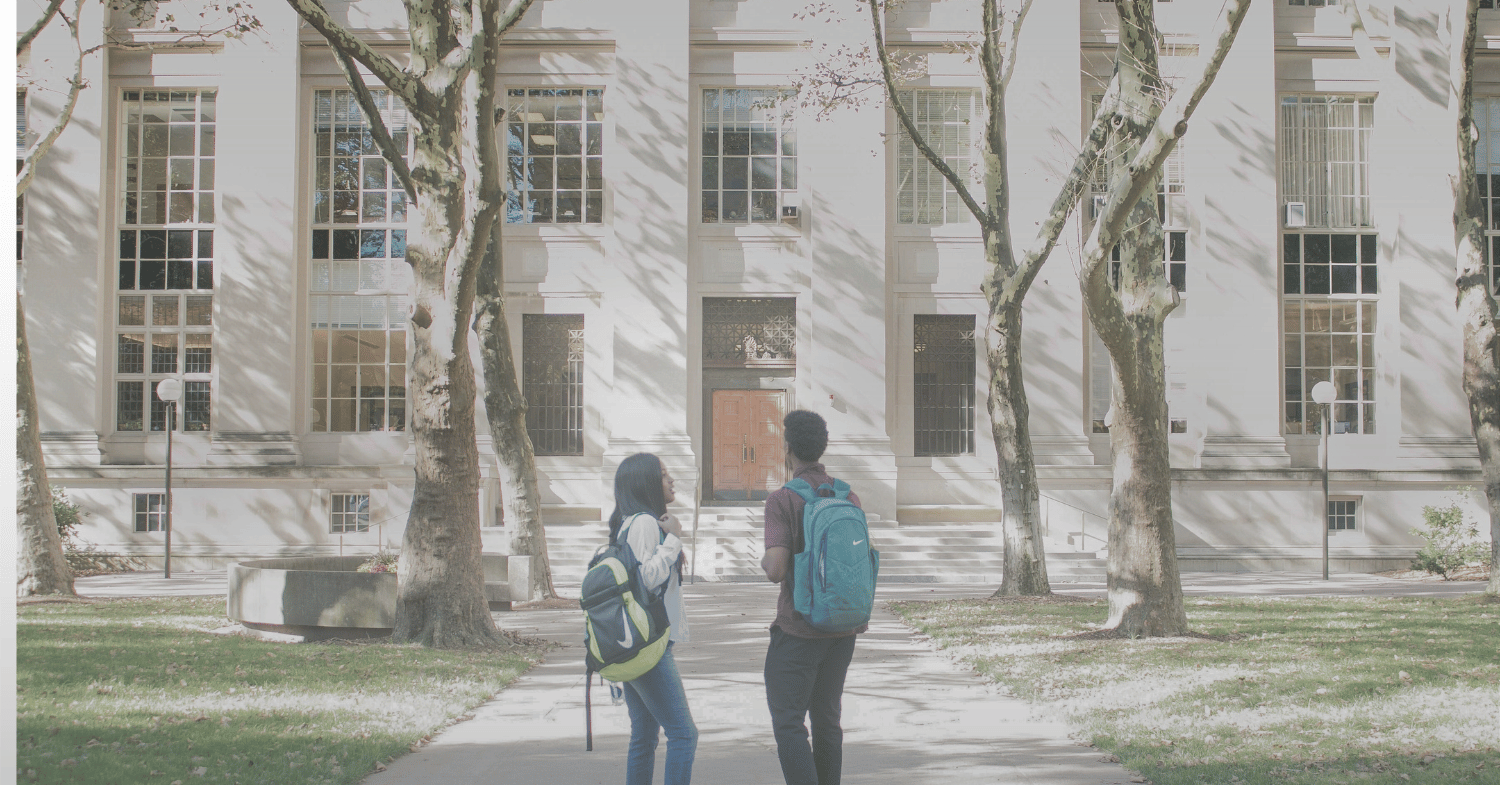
1296	214
791	208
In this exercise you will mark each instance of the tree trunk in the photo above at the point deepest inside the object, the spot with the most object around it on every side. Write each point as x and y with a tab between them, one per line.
1476	304
441	600
41	567
1144	587
1025	558
506	409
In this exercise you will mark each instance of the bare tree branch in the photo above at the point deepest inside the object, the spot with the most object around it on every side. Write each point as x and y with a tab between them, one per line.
75	86
888	73
378	131
403	84
1131	181
1036	254
1014	44
24	42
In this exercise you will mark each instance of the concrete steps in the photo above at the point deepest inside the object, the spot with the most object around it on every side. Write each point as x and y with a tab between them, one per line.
930	543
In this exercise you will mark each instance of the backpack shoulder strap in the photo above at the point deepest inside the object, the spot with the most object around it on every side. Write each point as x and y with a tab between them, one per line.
840	489
801	487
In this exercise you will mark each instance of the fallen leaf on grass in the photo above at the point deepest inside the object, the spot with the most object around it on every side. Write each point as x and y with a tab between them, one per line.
380	767
200	771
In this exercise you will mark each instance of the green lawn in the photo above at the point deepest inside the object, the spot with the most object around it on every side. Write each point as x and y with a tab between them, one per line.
1276	690
141	691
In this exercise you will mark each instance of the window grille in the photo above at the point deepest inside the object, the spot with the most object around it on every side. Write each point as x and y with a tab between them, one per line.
1487	169
552	377
1325	158
1330	340
349	513
749	155
165	256
150	511
943	384
1336	3
1315	263
359	272
743	332
555	159
945	119
1342	514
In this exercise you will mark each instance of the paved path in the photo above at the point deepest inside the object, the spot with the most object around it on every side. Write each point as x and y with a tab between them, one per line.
910	714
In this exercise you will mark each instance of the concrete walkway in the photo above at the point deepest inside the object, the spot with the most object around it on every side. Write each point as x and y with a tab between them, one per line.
910	714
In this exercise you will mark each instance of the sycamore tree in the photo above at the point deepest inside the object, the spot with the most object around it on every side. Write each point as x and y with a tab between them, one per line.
41	566
1012	262
455	181
1476	300
1128	307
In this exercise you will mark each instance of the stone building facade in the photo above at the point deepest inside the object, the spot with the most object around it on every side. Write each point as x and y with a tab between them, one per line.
687	256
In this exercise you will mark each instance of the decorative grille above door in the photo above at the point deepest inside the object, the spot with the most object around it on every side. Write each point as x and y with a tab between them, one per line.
743	332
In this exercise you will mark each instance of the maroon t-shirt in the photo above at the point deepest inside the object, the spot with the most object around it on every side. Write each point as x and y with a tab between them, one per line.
784	530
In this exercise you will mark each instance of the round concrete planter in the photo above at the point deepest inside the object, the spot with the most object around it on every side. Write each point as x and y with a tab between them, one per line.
317	597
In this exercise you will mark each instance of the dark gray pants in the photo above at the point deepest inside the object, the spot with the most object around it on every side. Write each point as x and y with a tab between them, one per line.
805	678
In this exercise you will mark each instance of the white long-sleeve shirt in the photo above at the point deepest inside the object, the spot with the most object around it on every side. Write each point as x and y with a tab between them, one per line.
657	556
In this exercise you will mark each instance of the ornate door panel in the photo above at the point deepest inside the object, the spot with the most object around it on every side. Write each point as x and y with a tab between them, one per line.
747	452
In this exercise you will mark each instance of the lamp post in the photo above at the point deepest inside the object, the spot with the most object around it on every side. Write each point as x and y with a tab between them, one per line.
169	391
1324	393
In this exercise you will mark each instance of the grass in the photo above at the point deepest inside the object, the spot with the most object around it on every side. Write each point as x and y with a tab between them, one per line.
1268	691
141	691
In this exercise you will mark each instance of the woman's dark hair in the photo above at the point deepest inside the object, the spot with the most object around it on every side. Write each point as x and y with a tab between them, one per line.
637	490
806	433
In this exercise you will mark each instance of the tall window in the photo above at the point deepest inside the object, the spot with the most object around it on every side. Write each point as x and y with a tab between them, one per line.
1330	275
945	119
555	155
1325	161
359	273
749	155
165	258
552	378
943	385
1487	168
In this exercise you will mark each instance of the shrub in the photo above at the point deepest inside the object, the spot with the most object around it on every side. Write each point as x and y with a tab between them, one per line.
69	516
1452	540
383	561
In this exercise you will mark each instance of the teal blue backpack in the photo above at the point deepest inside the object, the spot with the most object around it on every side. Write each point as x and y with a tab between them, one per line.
833	578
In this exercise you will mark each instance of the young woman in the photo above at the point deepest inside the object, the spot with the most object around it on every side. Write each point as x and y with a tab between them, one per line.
655	700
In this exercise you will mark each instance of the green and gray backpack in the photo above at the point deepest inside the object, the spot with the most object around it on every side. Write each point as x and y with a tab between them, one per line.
625	625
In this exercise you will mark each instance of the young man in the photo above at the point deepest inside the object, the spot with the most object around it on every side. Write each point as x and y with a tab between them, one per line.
804	667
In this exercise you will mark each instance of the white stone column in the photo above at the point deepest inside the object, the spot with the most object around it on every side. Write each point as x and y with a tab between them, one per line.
842	320
257	322
1044	112
67	275
1233	272
1415	155
647	207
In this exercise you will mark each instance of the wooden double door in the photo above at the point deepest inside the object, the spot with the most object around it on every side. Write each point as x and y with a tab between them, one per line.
749	459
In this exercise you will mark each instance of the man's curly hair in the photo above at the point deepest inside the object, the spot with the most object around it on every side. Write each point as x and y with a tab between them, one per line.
806	434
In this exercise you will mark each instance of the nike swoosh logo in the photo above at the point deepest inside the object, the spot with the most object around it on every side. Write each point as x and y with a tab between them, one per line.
856	542
629	634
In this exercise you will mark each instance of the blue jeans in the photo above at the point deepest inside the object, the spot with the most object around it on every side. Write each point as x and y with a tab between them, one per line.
656	700
805	679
